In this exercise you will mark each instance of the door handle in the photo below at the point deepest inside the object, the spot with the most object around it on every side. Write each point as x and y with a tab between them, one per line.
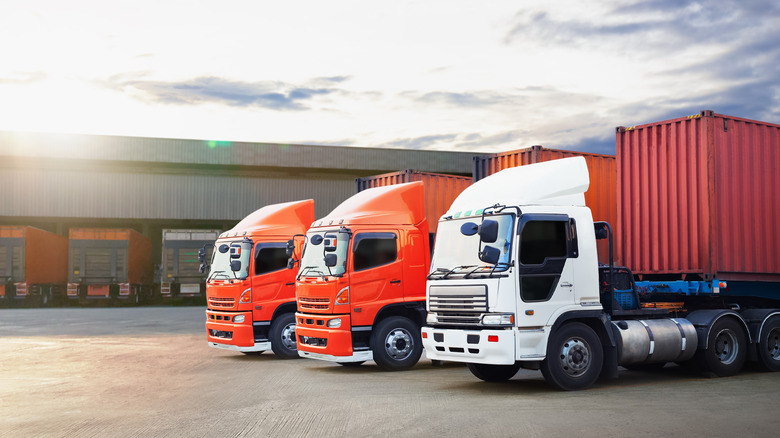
290	284
566	285
395	281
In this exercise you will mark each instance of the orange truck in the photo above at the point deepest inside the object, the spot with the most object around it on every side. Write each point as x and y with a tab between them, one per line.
361	280
250	293
109	263
33	265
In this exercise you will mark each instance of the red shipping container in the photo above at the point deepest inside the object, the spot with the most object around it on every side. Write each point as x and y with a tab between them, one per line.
43	256
699	196
105	255
440	189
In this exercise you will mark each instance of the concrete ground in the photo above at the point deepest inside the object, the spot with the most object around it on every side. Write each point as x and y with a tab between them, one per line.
148	372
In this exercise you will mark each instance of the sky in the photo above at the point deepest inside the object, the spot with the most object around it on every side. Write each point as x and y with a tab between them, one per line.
440	75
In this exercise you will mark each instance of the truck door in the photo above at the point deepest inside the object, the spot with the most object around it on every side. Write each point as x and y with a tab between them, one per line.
271	281
546	279
377	274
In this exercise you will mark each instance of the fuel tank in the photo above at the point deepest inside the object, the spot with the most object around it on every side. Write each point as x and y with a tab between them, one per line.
654	340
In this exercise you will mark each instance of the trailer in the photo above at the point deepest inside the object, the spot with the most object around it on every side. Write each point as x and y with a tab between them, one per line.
180	268
515	283
33	265
109	264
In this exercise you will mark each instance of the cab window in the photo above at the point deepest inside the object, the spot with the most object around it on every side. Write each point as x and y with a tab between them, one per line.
374	249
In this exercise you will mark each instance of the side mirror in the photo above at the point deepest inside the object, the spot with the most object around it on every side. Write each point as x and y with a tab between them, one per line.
330	260
316	239
291	263
469	229
490	255
224	248
290	248
202	268
202	255
488	231
330	242
235	265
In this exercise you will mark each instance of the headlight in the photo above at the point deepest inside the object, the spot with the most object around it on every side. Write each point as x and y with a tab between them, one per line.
432	318
334	323
238	318
498	319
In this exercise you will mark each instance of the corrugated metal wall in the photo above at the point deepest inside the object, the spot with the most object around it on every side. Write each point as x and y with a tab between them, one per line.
61	193
699	195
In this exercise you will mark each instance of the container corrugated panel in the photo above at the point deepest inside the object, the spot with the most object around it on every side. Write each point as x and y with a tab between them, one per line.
100	255
601	194
180	252
440	189
700	196
36	256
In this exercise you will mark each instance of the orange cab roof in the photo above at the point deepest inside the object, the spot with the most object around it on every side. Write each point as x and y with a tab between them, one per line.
286	219
395	204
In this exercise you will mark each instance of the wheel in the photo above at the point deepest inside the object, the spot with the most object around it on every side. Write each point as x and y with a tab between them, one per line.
574	357
396	343
493	373
351	364
726	349
769	345
282	336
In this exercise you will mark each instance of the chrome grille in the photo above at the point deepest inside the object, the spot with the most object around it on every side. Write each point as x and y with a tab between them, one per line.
221	302
452	300
313	303
460	318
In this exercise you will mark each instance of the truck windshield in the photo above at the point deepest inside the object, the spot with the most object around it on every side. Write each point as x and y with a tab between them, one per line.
333	242
456	254
224	253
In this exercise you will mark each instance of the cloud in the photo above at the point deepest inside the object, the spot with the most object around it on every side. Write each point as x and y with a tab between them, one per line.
23	78
208	89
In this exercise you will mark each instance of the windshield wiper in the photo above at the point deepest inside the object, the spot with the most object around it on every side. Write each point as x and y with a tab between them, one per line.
213	274
447	272
311	268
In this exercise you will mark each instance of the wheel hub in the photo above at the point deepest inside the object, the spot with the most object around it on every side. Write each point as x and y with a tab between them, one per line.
726	347
773	344
399	344
288	337
575	357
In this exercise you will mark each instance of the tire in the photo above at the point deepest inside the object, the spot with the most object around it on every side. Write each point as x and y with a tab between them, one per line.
769	345
574	357
282	336
726	349
351	364
493	373
396	343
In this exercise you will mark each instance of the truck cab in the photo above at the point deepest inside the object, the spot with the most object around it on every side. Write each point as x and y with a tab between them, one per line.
250	293
361	280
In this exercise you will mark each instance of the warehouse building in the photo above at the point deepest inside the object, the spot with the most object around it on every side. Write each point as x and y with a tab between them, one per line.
61	181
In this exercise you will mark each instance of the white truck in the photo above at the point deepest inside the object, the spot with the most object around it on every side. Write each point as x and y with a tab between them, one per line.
515	283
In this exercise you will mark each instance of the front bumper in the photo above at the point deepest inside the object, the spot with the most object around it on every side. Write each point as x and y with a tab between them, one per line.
496	347
318	341
223	333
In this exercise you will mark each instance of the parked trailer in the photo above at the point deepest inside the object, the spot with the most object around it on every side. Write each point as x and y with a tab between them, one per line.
602	191
181	276
515	282
250	293
33	265
109	263
360	287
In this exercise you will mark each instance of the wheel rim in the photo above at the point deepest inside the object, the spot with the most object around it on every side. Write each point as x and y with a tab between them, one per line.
575	357
288	337
399	344
773	344
726	346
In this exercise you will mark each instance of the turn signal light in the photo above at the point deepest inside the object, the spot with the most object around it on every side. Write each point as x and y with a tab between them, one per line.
246	296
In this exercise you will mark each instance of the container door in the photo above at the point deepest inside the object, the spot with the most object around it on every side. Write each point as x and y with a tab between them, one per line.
377	275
